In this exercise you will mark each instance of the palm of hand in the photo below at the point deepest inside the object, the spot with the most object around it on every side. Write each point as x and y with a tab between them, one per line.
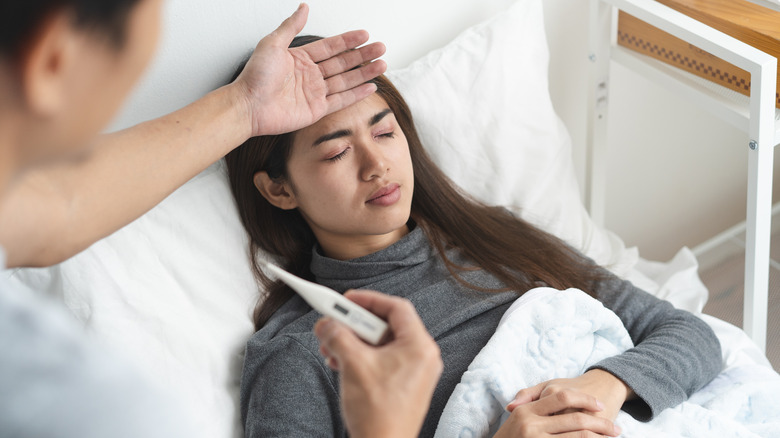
286	90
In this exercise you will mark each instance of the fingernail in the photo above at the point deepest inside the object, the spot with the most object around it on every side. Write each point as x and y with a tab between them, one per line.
600	405
618	430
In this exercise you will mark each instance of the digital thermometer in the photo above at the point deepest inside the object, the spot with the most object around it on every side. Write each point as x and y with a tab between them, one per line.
331	303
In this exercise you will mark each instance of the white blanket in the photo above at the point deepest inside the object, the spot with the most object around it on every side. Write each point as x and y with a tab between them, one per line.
549	334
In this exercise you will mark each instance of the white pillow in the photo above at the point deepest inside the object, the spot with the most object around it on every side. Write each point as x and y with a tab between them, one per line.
174	291
484	113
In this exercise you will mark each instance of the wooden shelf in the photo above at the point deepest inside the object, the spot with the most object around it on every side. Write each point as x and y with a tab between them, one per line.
726	104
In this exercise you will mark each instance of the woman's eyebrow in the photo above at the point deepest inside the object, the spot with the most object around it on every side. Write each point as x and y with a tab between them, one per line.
332	136
379	116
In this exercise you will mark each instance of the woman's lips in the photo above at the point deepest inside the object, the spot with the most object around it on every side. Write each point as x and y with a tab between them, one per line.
385	196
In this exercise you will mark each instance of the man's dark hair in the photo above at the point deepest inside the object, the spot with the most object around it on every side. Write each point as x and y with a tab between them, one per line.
21	19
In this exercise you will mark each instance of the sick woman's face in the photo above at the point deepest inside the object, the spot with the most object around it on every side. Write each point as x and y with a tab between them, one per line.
351	178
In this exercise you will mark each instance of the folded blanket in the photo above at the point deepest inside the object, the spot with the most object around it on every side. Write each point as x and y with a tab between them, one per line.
545	334
549	334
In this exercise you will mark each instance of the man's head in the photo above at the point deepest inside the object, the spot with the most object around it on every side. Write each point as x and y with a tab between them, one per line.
19	21
66	66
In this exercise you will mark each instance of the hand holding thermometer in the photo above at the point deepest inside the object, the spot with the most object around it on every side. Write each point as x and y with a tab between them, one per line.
331	303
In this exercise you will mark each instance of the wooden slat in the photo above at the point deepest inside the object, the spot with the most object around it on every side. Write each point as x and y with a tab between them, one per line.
748	22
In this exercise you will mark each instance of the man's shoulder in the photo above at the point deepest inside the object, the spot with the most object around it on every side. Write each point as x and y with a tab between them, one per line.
51	369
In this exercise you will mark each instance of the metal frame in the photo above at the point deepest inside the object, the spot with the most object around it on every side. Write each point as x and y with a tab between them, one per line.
758	119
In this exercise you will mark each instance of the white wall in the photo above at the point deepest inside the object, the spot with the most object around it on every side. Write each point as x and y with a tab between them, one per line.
203	40
676	176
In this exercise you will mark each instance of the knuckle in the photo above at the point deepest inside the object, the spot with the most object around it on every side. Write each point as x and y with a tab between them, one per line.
434	349
555	388
428	353
433	356
406	305
579	420
565	397
522	392
438	364
552	389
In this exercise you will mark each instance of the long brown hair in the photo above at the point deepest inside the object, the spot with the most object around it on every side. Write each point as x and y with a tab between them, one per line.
514	251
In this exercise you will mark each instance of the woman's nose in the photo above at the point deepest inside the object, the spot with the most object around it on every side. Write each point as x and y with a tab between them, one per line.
373	163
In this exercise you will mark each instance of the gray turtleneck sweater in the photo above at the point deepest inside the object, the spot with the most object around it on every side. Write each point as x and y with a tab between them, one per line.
287	390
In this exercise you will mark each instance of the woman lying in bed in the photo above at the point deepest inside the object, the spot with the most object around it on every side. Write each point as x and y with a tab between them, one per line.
354	201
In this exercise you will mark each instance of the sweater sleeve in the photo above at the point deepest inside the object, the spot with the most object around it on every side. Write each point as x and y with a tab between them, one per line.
287	390
675	352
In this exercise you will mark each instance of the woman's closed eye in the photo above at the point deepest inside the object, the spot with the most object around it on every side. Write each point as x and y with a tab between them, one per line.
338	156
381	135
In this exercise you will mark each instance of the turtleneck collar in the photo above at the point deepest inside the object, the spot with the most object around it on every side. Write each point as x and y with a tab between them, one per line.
411	250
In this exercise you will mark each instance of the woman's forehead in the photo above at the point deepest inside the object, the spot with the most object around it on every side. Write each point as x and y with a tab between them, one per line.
357	113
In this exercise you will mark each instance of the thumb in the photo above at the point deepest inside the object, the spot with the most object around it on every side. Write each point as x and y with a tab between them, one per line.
338	341
525	396
292	26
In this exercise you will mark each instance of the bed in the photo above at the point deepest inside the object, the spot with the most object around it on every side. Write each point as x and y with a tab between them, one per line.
173	292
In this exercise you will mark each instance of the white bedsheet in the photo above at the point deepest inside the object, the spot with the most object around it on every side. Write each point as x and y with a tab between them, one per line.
561	333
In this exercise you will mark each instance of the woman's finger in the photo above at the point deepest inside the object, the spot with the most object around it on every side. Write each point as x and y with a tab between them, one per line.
582	422
566	399
525	396
580	434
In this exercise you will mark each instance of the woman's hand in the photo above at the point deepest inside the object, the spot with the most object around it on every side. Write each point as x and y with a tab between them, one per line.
385	390
286	89
566	413
588	403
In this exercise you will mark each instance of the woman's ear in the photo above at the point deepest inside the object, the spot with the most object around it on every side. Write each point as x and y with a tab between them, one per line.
276	192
